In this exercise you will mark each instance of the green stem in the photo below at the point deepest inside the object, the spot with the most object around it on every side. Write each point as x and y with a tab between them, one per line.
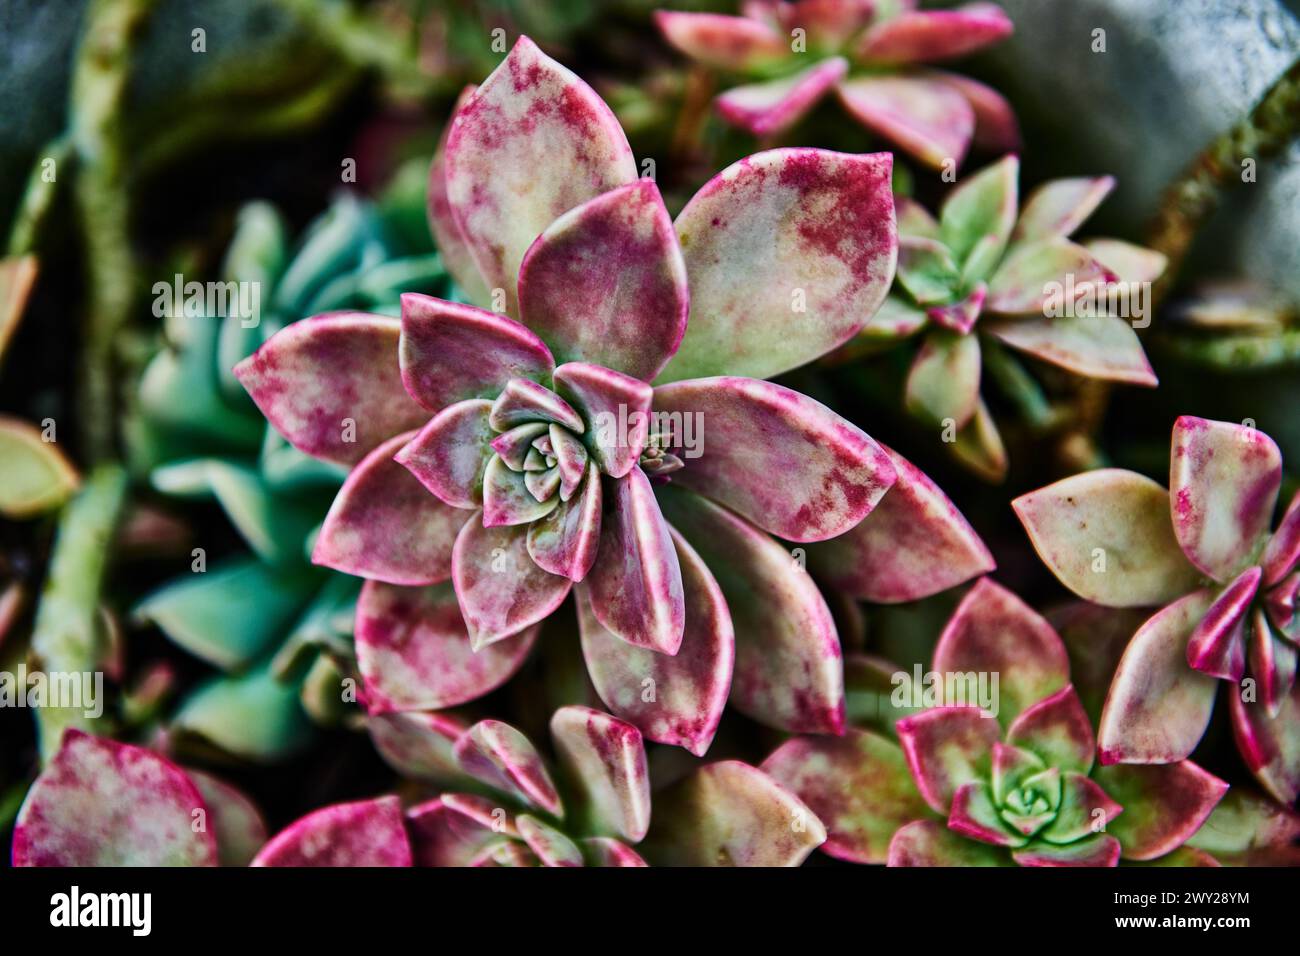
38	197
67	637
1017	385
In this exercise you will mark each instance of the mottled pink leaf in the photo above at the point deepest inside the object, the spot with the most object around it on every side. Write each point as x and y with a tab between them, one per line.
1270	746
363	833
947	747
1283	549
1084	807
448	455
926	117
523	401
784	461
974	815
1095	346
996	128
960	316
606	761
442	223
441	835
1100	849
1248	829
566	541
788	670
616	408
1129	262
1057	730
1158	707
1104	535
740	44
551	846
789	253
731	814
384	525
1223	484
419	745
931	843
1163	805
914	544
1217	646
774	106
924	36
1272	662
331	385
500	589
233	818
604	851
1036	276
688	690
858	785
1060	206
508	498
992	631
102	803
414	652
605	283
502	757
636	582
532	143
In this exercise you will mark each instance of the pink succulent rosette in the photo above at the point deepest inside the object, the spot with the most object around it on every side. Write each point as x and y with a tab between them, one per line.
591	809
1207	550
988	275
875	55
500	460
954	786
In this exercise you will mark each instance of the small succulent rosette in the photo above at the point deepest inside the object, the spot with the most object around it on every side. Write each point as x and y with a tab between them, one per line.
987	275
584	437
965	784
103	803
1206	549
875	56
196	436
590	810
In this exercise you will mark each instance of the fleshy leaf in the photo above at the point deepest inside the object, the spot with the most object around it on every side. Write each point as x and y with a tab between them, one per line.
1158	707
419	745
448	455
364	833
946	748
1217	646
924	36
1269	746
1057	730
1247	829
551	846
926	117
996	128
534	142
523	400
1223	484
927	270
604	851
102	803
452	352
773	106
943	383
500	589
509	499
731	814
37	476
566	541
784	461
332	385
636	582
1272	661
983	204
1163	805
992	631
605	283
456	255
728	43
858	785
914	544
974	815
1283	550
1085	808
441	835
1059	207
1095	346
414	652
616	408
776	222
931	843
690	687
960	316
606	761
1036	276
253	715
788	670
1104	535
384	525
502	757
1100	849
979	446
233	818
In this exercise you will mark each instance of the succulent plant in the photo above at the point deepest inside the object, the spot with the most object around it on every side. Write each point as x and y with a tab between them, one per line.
962	786
197	436
1017	274
103	803
1234	325
1207	551
872	54
592	812
521	454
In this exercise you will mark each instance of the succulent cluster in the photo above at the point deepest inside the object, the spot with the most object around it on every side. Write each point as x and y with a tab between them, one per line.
541	468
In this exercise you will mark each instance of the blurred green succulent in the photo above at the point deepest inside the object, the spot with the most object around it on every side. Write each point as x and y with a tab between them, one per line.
276	627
